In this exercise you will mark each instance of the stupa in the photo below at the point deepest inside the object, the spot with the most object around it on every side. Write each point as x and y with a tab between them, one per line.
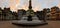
30	18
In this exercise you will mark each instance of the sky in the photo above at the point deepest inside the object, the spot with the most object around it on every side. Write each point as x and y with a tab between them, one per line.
37	5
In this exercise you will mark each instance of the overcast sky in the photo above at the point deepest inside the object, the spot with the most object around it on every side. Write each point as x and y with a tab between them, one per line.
37	4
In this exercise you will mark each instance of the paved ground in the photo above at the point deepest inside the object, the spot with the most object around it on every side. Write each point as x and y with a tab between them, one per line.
51	24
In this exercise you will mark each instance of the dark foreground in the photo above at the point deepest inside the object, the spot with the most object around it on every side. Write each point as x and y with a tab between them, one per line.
51	24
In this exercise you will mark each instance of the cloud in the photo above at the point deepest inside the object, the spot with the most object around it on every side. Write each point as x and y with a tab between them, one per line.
13	4
4	3
37	4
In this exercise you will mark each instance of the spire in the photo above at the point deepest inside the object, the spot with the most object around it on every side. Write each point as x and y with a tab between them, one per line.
30	5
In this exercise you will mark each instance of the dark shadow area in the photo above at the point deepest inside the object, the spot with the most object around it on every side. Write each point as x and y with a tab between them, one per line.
29	18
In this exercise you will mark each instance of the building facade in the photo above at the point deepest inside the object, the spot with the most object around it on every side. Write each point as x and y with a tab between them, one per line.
6	14
55	13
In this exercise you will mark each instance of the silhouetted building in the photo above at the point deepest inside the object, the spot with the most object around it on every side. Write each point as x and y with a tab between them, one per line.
48	13
45	14
40	15
7	14
21	12
0	13
15	15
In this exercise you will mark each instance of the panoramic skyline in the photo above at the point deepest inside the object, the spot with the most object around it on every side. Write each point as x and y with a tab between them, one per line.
23	4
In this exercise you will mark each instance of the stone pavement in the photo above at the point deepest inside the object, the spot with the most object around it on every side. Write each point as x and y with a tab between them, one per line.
51	24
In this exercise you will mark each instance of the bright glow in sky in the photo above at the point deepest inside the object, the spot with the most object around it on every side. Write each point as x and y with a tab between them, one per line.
37	4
